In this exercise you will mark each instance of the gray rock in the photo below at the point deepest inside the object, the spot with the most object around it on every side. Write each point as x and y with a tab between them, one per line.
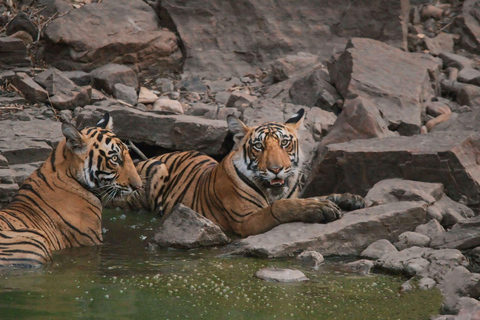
240	100
7	191
80	78
468	27
347	236
397	261
444	157
106	77
281	275
312	259
125	93
21	22
238	43
458	283
463	235
455	60
443	42
469	75
315	90
411	239
378	249
166	85
130	34
20	151
223	113
319	122
222	85
430	229
29	88
13	53
284	68
396	81
360	119
203	110
191	84
222	97
186	229
178	132
394	190
6	76
362	267
426	283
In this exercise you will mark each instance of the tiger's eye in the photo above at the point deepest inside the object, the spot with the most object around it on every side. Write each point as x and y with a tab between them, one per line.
258	146
114	158
285	143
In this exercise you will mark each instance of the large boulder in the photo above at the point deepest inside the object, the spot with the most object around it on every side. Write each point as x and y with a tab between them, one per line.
397	82
232	38
175	132
349	235
117	31
450	158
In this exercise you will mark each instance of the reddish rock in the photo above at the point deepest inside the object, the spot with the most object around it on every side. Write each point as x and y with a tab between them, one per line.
106	77
29	88
13	53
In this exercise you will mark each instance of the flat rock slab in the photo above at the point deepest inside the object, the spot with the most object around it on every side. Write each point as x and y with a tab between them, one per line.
281	275
464	235
118	31
177	132
349	235
219	40
450	158
398	82
186	229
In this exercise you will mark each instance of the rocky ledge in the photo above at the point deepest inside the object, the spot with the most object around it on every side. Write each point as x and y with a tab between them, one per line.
391	90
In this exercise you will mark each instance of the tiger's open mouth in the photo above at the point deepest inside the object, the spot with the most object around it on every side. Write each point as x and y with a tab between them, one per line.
275	183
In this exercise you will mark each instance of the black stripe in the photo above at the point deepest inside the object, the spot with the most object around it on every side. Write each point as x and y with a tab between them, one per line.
249	183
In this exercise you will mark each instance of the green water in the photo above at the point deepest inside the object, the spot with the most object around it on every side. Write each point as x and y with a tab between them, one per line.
124	280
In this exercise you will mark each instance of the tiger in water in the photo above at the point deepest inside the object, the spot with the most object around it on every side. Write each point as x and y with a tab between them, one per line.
253	189
60	204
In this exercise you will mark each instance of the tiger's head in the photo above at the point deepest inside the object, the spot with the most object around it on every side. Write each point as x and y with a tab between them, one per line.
101	162
269	154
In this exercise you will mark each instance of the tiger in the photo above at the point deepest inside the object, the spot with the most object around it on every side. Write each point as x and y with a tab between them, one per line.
253	189
60	204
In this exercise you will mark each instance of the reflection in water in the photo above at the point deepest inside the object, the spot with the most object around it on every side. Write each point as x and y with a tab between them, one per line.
124	280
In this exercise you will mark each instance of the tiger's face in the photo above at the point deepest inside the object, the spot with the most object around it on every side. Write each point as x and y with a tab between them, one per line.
104	163
269	154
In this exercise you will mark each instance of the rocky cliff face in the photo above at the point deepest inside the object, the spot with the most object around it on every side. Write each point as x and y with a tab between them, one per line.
391	90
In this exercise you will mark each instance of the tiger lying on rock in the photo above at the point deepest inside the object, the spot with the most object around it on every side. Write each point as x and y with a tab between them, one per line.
60	204
252	190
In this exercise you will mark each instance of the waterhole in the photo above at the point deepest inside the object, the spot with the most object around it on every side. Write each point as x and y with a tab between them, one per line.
123	279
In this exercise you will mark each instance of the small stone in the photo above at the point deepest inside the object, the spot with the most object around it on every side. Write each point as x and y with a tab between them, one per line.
125	93
378	249
168	106
410	239
281	275
166	85
223	97
105	77
146	96
362	267
192	84
29	88
240	100
312	259
426	283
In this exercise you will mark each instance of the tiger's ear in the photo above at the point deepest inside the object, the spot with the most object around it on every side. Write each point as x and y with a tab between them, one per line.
237	128
106	122
75	141
296	121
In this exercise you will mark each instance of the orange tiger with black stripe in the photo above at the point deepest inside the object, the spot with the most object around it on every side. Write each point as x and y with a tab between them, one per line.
253	189
60	204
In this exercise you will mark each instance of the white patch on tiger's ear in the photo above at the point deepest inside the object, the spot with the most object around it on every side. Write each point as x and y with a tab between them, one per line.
296	121
106	122
237	128
75	141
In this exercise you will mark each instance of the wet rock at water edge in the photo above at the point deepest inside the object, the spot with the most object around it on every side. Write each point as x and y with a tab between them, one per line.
281	275
312	259
185	229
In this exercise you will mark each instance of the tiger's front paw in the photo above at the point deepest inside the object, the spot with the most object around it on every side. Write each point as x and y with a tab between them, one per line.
348	201
329	210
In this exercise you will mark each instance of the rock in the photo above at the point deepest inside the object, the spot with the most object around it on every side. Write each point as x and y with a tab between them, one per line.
223	113
80	78
29	88
448	207
7	191
411	239
443	42
356	166
238	43
21	22
458	283
24	150
106	77
130	34
465	121
320	122
437	108
281	275
455	60
362	267
360	119
175	132
5	75
396	81
426	283
409	258
394	190
378	249
315	90
203	110
347	236
465	234
430	229
125	93
146	96
24	36
468	27
186	229
221	85
312	259
469	75
240	100
191	84
168	106
284	68
468	95
166	85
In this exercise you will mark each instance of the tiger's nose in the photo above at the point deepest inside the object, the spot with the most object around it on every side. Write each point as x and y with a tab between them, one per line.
275	170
